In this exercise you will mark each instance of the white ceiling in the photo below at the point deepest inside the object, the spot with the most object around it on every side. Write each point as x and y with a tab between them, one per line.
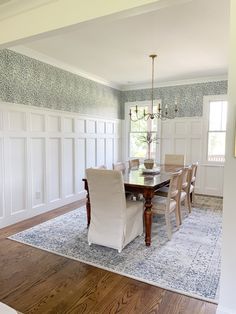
190	39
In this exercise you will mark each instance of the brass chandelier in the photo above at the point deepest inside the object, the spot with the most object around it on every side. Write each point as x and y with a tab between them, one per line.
137	114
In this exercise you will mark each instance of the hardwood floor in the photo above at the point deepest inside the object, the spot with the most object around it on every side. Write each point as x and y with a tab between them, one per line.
35	281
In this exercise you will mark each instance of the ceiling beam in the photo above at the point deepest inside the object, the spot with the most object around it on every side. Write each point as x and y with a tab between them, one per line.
22	21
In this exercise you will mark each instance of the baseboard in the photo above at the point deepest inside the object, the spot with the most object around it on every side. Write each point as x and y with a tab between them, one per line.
224	310
32	212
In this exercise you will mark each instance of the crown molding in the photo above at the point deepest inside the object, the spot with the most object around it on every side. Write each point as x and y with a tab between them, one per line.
146	85
197	80
14	7
64	66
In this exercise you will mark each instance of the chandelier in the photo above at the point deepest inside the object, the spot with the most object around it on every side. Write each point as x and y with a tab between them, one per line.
137	114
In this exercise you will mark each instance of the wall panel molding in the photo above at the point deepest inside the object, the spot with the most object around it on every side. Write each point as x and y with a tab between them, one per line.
186	136
43	156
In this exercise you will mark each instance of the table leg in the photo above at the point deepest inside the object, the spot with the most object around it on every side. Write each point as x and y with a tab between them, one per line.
88	208
148	195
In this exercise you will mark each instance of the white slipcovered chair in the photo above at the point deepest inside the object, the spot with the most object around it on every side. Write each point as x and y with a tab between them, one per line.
115	221
5	309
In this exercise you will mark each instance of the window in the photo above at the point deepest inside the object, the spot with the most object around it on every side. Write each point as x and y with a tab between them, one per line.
217	130
138	130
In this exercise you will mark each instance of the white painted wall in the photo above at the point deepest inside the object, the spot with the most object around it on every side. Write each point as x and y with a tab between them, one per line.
188	136
227	301
43	155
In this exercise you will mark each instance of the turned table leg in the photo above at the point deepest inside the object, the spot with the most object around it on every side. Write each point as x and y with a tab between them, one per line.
148	195
88	207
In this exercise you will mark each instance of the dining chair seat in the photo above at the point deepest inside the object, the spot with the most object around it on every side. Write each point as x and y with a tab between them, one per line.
159	205
162	191
183	195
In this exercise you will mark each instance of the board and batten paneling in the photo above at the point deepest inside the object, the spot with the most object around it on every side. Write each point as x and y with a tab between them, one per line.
43	156
186	136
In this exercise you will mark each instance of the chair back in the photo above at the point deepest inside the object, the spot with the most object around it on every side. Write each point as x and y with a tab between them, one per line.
171	159
101	167
108	204
134	163
119	166
194	172
175	185
186	173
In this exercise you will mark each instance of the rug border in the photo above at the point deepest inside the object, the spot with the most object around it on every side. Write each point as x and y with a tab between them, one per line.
192	295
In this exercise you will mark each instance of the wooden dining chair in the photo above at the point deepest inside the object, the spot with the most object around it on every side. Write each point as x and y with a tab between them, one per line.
185	191
169	204
119	166
171	159
193	182
134	164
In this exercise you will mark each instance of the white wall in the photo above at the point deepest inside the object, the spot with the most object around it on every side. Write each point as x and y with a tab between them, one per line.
188	136
227	302
43	155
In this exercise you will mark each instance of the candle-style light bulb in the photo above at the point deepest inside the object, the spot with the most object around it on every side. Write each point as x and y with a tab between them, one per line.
176	105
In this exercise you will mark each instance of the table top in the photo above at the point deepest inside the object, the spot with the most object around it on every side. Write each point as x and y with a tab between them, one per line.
136	177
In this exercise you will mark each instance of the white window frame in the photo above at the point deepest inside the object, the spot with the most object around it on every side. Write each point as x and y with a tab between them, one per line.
206	112
126	147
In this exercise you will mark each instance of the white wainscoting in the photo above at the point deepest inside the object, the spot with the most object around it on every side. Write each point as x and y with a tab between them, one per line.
44	154
188	136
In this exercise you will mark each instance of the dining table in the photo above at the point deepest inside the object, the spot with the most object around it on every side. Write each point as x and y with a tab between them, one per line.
145	182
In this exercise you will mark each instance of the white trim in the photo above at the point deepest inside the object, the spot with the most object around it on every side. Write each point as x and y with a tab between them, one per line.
69	125
206	100
31	53
224	310
61	65
146	85
16	7
57	111
121	273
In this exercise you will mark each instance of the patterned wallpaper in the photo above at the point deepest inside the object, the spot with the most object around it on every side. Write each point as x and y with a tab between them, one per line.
189	97
28	81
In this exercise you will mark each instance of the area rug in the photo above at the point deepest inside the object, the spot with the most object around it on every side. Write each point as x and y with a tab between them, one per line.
189	263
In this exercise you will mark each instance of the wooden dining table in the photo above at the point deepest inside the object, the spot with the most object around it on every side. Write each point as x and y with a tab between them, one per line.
135	181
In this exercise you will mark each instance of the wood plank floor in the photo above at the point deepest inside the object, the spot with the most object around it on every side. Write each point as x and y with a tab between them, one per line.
35	281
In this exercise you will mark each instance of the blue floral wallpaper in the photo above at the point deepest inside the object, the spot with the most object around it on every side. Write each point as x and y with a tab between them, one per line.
189	97
28	81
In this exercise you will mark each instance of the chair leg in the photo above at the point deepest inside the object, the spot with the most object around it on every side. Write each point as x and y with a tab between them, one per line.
193	197
168	225
179	218
189	203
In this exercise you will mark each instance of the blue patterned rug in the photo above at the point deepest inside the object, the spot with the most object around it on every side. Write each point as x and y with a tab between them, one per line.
189	263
